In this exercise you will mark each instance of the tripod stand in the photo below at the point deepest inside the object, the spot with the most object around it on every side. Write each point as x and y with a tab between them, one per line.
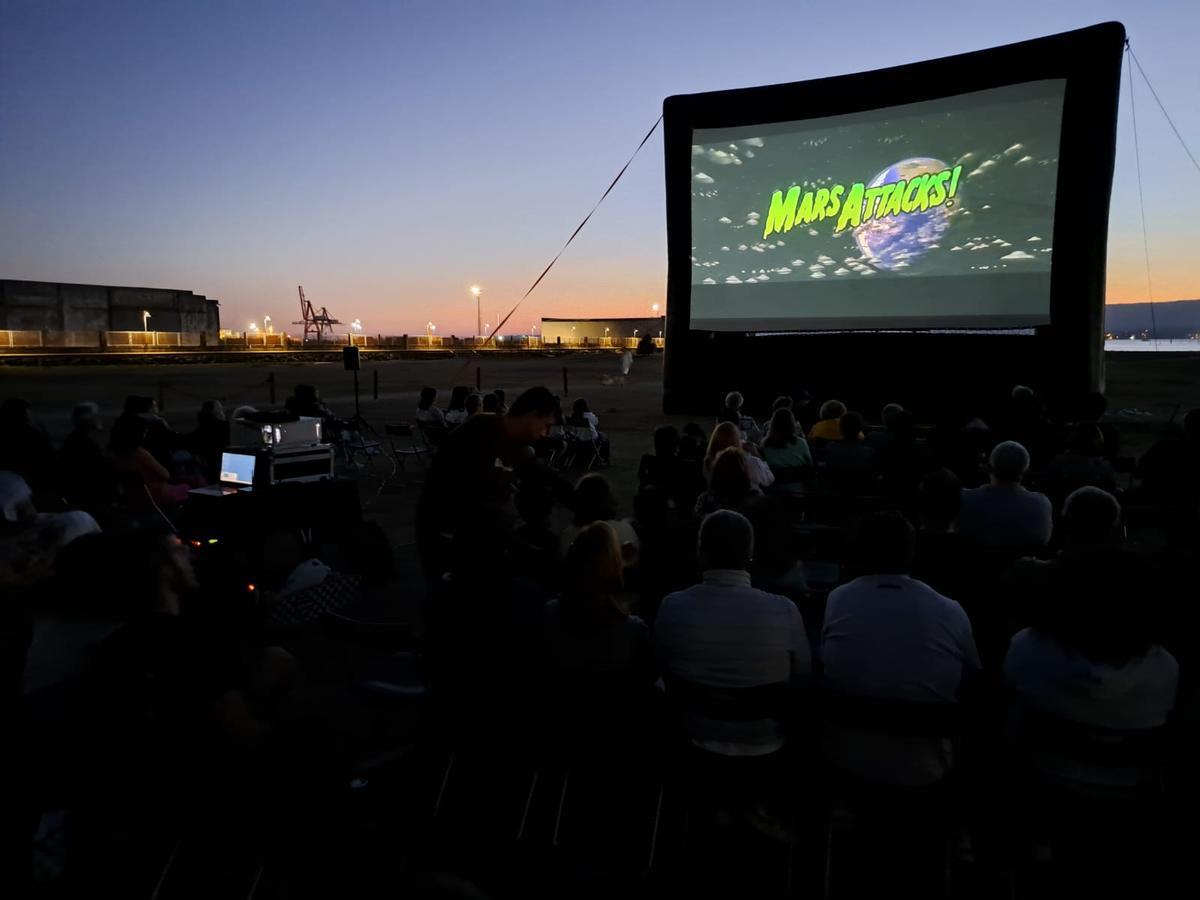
357	427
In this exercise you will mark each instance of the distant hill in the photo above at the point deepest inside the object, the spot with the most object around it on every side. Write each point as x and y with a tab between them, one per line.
1178	318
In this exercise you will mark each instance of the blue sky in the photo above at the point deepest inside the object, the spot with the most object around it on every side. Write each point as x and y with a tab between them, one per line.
388	155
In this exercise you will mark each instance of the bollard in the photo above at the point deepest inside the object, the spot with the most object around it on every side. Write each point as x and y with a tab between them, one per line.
566	389
375	383
271	387
478	378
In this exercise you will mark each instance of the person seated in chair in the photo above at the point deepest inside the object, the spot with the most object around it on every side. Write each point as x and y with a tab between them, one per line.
473	405
87	478
726	435
1091	659
1003	515
472	471
591	638
583	417
829	426
456	412
725	634
787	453
428	414
732	412
306	401
850	464
889	637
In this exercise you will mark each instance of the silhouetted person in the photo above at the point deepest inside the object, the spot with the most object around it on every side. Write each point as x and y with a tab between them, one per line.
211	437
786	452
724	633
1094	406
1082	464
1003	515
472	471
473	405
593	641
24	448
86	475
850	463
942	557
456	411
727	435
829	426
729	483
427	410
583	417
732	412
306	401
1170	474
1092	659
888	636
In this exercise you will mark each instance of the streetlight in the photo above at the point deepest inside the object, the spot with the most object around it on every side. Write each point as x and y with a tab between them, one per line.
253	327
654	308
430	328
145	319
606	338
476	290
267	324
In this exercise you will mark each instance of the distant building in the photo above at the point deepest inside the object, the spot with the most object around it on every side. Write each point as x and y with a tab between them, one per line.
601	332
77	314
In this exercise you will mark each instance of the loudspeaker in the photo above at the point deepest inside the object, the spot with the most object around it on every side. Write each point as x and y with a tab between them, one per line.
350	359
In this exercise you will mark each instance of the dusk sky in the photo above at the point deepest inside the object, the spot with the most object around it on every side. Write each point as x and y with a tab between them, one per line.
389	155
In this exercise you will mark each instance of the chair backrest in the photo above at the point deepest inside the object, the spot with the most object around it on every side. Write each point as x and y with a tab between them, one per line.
897	718
748	704
1043	733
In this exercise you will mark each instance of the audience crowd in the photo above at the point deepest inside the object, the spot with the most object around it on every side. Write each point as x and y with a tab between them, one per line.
908	605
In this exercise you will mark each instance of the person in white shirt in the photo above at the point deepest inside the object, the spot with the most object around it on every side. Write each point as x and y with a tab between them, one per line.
724	633
427	412
1090	658
1003	515
888	636
456	412
727	435
582	415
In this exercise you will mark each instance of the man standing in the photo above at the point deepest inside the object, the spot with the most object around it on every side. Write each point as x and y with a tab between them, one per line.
469	478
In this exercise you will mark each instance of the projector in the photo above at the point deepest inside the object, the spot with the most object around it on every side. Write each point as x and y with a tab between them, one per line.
305	432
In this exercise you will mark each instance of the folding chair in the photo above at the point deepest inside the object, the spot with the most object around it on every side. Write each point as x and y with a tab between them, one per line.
411	441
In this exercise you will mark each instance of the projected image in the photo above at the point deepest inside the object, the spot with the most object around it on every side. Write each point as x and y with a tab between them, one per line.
882	217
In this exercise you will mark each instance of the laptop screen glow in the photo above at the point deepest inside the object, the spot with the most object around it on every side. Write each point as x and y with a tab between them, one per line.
237	468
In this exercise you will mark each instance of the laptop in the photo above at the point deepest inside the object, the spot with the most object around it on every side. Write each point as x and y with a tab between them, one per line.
237	474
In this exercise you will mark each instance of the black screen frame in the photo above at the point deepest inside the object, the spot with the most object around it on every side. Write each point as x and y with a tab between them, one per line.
1065	356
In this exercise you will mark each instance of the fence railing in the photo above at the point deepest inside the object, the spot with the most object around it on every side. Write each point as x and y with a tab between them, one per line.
17	339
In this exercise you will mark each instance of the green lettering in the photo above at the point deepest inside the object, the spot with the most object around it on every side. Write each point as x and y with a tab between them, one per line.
805	214
851	216
937	188
869	198
782	214
954	180
835	200
910	202
922	198
889	205
818	210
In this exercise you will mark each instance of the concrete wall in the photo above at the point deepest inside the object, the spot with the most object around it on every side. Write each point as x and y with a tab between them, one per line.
575	330
52	307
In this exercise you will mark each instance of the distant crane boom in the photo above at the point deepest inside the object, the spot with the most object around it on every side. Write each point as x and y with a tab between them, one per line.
319	325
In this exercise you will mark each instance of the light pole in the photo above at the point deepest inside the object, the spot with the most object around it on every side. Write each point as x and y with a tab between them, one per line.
430	328
607	339
476	290
267	325
145	319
